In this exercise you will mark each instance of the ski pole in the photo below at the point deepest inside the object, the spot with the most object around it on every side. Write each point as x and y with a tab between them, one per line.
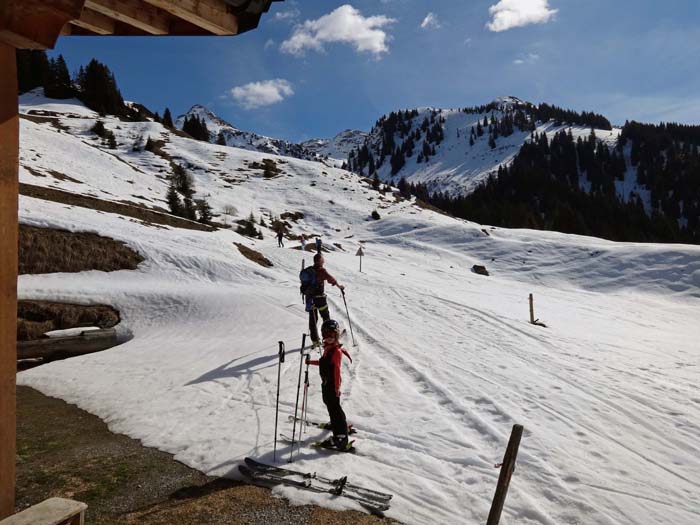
349	321
277	404
304	406
296	406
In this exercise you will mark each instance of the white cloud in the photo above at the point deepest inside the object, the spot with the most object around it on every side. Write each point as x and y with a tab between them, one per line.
264	93
507	14
270	43
288	16
430	22
345	25
530	58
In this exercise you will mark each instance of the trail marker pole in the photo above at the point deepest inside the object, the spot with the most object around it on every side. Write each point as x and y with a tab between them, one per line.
507	468
534	321
360	254
296	406
354	343
277	404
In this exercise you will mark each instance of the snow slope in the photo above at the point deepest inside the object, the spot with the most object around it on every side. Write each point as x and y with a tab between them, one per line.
458	168
339	147
244	139
446	360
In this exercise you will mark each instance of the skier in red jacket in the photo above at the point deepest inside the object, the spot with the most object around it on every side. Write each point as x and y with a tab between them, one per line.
329	368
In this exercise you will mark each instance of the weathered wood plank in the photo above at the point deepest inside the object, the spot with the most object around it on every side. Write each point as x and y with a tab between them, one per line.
36	24
52	511
212	15
86	343
9	169
134	13
95	22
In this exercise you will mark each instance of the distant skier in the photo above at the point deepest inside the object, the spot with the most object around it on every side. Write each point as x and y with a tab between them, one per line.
312	286
302	239
329	368
280	236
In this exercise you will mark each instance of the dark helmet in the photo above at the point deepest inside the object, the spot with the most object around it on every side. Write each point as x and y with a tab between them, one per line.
329	327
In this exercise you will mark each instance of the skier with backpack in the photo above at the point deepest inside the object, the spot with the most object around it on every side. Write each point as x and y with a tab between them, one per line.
312	287
329	367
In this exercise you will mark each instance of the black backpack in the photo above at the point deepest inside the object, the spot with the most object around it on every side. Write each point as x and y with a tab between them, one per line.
307	276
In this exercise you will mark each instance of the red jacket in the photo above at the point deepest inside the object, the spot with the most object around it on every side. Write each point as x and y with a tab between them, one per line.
323	275
333	357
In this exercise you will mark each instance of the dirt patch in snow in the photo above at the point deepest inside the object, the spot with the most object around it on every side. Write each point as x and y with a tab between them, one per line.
47	250
35	318
127	483
147	215
254	256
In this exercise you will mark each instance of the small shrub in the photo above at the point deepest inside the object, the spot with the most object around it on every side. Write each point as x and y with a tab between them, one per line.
375	215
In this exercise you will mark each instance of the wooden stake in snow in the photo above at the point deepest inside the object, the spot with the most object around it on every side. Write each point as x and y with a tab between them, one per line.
507	468
360	254
532	314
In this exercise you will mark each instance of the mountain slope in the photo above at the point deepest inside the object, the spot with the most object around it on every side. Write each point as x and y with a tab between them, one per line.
244	139
446	360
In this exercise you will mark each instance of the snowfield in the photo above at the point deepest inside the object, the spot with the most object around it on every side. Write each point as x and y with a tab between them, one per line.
446	360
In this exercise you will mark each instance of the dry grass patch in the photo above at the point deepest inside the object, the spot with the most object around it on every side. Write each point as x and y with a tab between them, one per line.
45	250
254	256
35	318
147	215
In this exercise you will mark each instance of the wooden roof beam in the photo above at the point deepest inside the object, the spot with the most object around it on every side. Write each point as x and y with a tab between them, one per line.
95	22
35	24
134	13
212	15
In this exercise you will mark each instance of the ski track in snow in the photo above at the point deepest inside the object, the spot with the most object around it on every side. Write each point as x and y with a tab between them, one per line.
446	361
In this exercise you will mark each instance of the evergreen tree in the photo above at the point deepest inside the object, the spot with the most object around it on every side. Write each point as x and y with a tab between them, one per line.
99	90
492	141
173	199
220	139
204	211
32	68
168	119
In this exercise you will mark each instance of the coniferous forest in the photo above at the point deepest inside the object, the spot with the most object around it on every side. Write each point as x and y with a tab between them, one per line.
571	186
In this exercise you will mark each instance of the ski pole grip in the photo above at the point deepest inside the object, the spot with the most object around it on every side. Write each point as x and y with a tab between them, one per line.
281	352
303	342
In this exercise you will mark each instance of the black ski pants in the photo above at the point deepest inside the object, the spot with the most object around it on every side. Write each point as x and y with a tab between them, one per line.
319	306
339	424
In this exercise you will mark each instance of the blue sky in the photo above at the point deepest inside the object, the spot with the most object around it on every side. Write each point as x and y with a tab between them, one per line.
316	67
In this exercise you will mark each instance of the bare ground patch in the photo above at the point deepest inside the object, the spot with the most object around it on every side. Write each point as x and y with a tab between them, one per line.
46	250
124	482
147	215
35	318
253	255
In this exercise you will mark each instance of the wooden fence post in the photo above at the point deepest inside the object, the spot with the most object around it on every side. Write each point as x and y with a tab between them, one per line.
9	168
532	310
507	468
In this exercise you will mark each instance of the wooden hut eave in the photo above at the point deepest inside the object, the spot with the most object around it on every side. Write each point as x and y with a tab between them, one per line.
36	24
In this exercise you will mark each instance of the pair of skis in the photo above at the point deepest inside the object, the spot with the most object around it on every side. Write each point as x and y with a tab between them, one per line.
373	500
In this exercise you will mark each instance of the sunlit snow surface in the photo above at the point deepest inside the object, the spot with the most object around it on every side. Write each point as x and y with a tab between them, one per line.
446	361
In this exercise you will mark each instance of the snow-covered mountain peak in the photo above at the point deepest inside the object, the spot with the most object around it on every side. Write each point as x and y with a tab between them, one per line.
338	147
213	121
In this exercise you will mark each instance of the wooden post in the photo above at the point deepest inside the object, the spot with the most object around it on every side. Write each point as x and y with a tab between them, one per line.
9	188
532	310
507	468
